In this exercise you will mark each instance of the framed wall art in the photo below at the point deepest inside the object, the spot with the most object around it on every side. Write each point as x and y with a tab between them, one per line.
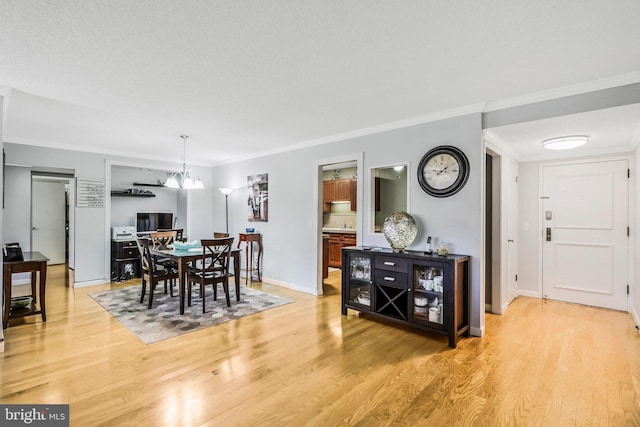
258	197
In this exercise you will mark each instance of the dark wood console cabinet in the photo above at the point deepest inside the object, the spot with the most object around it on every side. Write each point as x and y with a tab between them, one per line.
429	292
125	260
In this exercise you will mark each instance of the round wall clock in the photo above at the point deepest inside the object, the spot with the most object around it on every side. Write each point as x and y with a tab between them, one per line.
443	171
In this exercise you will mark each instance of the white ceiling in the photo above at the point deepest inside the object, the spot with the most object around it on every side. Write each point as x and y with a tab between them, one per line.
245	78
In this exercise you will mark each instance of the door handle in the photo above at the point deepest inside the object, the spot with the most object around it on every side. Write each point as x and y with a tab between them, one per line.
548	234
510	241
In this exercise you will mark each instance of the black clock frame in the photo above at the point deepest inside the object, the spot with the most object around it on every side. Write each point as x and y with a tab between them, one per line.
463	164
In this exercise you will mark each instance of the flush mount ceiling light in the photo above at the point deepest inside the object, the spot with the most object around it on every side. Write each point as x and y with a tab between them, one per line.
565	142
183	179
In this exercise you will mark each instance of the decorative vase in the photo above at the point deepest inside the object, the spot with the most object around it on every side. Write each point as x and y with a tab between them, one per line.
400	230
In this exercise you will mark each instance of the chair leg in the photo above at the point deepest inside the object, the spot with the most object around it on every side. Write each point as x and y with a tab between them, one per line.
202	293
152	288
171	283
215	292
144	290
225	285
189	285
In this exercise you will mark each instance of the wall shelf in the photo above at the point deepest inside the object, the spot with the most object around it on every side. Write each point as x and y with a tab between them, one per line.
146	184
127	194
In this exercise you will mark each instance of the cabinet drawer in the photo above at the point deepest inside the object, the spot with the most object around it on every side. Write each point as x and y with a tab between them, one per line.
391	263
391	278
349	240
128	252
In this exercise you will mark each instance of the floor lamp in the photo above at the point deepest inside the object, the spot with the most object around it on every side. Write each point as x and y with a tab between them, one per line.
226	191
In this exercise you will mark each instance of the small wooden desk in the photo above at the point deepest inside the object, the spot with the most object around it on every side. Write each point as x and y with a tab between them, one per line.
249	238
33	263
183	257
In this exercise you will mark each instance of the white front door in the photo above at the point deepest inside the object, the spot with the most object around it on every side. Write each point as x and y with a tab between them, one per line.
584	233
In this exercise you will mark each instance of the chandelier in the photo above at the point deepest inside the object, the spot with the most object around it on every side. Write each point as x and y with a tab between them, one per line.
183	179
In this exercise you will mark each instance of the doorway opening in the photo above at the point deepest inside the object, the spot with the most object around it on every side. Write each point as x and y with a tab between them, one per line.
339	219
52	216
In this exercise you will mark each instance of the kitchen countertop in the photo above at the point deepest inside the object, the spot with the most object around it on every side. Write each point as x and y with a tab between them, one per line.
339	230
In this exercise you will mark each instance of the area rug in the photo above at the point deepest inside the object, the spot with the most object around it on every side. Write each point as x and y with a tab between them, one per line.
164	320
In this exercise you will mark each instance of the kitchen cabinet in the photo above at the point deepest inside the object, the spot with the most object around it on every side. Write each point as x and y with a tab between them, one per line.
410	288
337	241
339	190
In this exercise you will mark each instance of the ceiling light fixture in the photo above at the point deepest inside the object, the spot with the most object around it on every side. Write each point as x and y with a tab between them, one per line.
183	179
565	142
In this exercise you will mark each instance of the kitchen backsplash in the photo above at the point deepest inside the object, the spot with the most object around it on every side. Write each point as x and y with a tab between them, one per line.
340	217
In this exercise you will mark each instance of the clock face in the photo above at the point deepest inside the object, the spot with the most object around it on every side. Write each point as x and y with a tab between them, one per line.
443	171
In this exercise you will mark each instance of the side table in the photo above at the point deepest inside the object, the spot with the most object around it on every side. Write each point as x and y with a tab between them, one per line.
34	262
249	239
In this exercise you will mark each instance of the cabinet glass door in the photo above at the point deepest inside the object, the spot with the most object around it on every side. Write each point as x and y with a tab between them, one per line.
428	295
360	280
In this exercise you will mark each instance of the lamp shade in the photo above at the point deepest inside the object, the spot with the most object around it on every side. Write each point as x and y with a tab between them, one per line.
226	190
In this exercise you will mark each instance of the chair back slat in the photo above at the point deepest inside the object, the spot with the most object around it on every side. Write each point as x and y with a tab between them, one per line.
162	238
179	232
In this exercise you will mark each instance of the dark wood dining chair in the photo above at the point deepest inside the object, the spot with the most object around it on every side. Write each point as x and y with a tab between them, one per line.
152	272
161	239
212	268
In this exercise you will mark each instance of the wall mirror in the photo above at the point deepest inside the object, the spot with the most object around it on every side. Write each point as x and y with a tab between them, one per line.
389	193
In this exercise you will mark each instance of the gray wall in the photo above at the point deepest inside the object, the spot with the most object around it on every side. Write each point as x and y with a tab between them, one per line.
289	240
16	225
124	209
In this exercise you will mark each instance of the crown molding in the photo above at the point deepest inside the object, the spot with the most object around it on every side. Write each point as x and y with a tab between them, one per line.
413	121
171	162
561	92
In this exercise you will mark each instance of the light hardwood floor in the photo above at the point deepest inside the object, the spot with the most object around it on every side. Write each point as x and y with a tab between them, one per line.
541	364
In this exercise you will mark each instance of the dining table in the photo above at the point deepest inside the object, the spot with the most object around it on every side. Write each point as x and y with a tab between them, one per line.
184	256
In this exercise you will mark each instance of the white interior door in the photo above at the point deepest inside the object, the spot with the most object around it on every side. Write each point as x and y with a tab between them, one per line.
48	219
584	241
511	182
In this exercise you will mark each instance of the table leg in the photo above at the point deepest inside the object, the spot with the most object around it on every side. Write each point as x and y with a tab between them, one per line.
182	273
259	259
43	280
33	287
6	284
236	272
246	262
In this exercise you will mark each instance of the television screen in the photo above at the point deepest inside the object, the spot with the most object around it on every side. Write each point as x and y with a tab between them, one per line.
151	221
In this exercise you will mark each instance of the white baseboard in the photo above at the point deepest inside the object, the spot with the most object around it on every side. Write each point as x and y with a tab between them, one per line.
290	286
532	294
476	332
15	282
90	283
636	318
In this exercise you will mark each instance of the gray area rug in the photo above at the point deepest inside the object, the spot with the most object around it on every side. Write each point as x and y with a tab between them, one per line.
164	321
